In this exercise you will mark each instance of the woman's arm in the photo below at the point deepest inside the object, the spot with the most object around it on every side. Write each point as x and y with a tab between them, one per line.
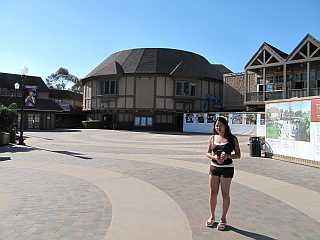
237	152
209	152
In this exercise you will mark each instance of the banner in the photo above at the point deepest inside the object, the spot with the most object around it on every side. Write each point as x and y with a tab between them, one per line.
30	95
293	128
289	120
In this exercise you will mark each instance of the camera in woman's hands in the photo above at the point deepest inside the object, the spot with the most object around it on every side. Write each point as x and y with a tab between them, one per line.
221	156
218	153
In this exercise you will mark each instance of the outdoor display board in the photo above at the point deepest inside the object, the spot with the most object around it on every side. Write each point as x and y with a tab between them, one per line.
293	128
252	124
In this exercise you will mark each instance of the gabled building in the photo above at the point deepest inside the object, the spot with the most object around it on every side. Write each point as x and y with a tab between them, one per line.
41	113
71	104
152	88
280	75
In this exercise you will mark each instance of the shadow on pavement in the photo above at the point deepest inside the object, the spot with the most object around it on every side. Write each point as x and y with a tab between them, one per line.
2	159
170	133
248	234
54	130
15	148
73	154
29	136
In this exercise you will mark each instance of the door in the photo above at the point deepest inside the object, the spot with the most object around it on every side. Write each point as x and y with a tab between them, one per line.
179	122
33	120
108	121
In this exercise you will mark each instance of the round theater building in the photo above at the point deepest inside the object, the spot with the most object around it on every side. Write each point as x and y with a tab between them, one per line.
151	88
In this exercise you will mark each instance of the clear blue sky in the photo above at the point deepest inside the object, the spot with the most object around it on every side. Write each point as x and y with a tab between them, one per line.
45	35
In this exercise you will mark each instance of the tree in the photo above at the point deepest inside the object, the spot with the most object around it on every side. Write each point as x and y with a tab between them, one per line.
61	78
77	86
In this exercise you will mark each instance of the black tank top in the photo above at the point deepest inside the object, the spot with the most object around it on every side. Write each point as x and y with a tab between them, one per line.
227	148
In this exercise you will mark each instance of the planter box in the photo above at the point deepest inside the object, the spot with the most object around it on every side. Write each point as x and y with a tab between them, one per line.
92	124
4	138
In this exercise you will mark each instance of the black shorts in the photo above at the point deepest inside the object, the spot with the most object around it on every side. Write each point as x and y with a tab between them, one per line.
226	172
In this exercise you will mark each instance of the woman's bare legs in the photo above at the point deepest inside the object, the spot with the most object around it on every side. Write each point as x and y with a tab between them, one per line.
213	191
225	190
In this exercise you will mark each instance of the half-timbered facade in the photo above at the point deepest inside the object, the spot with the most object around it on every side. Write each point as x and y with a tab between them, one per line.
151	88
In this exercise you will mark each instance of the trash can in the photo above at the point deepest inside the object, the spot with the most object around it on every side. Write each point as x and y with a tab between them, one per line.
255	147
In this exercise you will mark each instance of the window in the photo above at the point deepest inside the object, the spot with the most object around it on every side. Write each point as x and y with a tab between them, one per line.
185	88
312	75
299	85
143	121
179	89
260	88
193	90
259	80
108	87
269	79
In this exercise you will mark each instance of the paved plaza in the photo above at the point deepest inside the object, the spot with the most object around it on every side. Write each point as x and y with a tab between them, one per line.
105	184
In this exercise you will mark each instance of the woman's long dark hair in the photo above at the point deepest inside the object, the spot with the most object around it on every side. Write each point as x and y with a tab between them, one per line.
227	133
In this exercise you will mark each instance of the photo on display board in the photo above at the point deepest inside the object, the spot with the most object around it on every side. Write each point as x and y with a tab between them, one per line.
289	121
189	118
251	119
262	119
236	118
200	118
211	117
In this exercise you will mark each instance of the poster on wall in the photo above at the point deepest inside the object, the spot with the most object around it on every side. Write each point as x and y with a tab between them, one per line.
262	119
289	121
189	118
200	117
30	95
211	117
251	119
236	118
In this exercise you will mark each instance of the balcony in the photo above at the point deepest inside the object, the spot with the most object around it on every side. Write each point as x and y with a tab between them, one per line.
274	95
297	93
315	92
258	96
254	97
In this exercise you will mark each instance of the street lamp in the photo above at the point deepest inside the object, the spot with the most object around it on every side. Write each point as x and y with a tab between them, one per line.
24	71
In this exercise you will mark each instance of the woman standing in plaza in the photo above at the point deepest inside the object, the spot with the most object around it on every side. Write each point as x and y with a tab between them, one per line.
222	148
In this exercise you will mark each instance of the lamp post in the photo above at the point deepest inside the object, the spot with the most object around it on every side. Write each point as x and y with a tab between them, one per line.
24	71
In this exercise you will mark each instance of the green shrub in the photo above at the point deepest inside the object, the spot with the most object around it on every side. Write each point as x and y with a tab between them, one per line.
92	124
8	116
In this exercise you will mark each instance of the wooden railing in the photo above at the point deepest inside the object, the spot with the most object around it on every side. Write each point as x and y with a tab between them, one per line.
274	95
297	93
258	96
254	97
314	91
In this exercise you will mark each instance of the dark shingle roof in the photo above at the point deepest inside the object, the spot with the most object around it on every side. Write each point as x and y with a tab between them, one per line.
278	51
157	61
64	94
7	80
